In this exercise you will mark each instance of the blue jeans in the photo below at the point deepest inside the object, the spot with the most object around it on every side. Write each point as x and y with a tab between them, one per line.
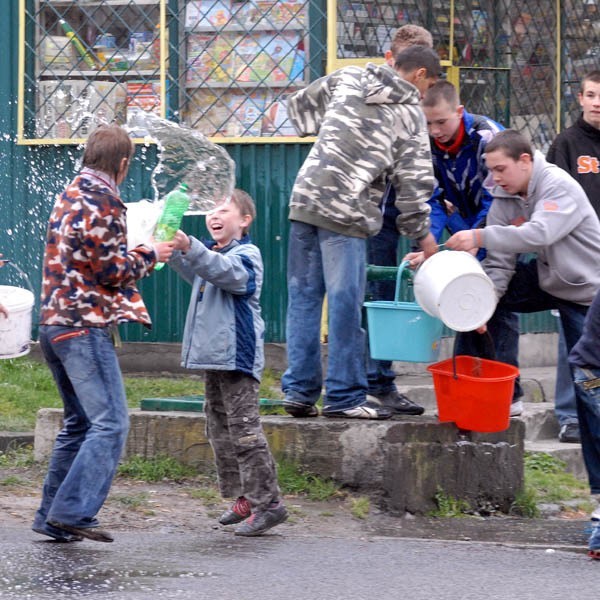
565	406
319	262
86	452
587	393
382	250
524	295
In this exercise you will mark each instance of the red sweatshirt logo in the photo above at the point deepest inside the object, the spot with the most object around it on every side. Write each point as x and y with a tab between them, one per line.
588	164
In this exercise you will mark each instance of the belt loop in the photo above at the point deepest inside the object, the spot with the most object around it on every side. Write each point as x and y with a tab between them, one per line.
115	336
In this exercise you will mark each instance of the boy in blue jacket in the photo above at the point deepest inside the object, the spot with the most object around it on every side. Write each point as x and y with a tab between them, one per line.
223	336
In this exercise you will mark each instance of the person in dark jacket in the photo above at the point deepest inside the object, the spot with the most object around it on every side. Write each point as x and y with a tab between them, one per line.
584	359
577	151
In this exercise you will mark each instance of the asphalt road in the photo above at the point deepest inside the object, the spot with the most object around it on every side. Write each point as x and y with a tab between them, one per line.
218	566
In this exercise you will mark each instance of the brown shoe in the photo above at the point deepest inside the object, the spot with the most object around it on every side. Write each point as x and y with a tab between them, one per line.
91	533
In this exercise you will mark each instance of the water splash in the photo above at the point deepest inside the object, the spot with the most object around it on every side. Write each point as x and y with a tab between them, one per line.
186	156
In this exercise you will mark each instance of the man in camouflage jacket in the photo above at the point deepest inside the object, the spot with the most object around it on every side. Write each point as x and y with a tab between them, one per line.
370	130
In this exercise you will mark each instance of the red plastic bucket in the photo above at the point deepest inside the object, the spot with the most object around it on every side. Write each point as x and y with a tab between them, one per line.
475	394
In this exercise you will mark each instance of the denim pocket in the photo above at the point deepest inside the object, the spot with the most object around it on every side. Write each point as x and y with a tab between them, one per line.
75	347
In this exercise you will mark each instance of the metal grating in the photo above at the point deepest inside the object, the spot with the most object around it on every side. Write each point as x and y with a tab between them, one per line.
229	67
507	52
89	62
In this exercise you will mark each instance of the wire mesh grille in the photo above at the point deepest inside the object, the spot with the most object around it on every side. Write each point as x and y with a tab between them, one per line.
231	63
90	62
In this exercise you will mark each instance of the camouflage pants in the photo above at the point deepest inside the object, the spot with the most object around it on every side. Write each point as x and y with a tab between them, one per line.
245	466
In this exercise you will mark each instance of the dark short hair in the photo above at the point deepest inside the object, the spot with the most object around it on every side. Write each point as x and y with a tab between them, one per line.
410	35
511	142
106	147
418	57
593	76
244	202
441	90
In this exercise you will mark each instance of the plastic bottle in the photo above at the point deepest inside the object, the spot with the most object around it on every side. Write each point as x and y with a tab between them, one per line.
83	51
176	203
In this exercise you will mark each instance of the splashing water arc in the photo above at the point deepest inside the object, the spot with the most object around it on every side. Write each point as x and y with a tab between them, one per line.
186	156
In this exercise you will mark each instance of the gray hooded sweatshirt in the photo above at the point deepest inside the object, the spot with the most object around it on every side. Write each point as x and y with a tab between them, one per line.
557	222
370	127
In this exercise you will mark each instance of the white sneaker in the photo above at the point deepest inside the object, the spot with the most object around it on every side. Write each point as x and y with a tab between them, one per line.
595	516
516	408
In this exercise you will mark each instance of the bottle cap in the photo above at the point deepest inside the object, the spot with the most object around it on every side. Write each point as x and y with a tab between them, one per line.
184	187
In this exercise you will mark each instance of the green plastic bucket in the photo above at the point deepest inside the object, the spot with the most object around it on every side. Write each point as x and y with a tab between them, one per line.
402	331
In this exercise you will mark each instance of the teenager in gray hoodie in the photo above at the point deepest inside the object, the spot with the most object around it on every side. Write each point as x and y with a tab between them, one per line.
538	208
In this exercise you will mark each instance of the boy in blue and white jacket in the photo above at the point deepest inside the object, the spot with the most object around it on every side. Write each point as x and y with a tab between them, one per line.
224	336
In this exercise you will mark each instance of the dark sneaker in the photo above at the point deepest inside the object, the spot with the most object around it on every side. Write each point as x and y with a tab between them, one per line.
368	410
90	533
569	433
398	403
299	410
239	511
263	520
58	535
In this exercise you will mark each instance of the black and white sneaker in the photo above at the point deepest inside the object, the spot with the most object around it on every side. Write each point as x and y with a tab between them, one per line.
368	410
569	433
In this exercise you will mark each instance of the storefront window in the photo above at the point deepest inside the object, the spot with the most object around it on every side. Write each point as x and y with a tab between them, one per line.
223	67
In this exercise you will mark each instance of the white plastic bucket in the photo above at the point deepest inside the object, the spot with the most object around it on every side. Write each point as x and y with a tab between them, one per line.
453	287
15	332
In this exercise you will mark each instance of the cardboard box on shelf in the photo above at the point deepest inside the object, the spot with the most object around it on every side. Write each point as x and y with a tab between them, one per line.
58	52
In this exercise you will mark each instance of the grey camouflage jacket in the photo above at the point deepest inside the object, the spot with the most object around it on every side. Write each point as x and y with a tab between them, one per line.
370	130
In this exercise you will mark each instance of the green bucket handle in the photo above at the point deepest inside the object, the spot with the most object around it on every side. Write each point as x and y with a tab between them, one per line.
401	268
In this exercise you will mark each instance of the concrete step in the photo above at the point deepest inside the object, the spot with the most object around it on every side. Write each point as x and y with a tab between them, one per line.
540	421
569	453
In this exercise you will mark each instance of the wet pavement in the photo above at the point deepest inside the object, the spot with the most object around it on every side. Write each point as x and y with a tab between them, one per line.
385	564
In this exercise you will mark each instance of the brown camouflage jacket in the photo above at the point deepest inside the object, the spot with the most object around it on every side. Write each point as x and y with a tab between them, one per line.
370	130
89	276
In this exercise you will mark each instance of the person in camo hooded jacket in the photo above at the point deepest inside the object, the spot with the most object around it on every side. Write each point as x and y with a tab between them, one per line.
370	129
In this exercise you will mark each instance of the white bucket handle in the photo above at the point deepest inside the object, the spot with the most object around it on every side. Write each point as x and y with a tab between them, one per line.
11	263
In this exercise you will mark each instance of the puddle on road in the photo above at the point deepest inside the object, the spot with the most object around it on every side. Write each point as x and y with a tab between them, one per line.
48	570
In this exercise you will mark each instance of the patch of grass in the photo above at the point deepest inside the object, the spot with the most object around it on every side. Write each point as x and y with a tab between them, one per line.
27	385
547	481
525	504
137	388
360	507
270	385
295	480
448	506
158	468
13	481
133	500
208	495
17	457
